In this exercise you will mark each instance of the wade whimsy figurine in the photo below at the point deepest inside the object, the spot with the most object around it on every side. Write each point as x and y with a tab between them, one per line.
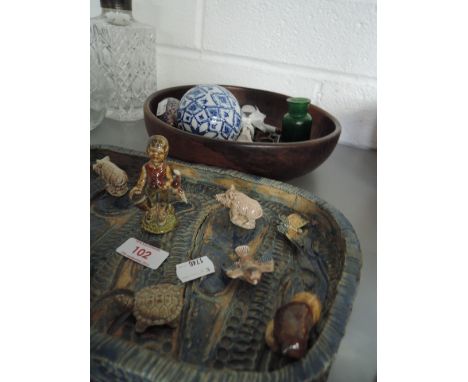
151	193
288	332
115	178
292	226
167	110
248	269
158	304
243	210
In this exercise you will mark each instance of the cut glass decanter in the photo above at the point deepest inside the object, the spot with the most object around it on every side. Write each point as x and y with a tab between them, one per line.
126	53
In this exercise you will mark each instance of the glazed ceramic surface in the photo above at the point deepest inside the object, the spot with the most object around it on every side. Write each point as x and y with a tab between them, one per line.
218	334
210	111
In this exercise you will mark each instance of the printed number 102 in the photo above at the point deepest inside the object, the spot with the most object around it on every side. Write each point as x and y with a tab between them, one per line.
142	252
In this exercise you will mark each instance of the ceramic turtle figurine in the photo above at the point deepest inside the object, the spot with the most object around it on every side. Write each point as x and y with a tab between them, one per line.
158	304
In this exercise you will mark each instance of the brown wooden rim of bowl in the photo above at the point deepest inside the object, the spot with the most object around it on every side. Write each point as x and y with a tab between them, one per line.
149	114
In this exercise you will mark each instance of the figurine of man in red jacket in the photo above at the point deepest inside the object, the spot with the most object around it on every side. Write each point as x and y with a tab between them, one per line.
156	181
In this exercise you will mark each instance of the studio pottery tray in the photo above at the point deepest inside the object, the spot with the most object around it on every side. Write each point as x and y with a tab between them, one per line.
220	333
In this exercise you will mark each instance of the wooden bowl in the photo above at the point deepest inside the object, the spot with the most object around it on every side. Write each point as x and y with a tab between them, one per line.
272	160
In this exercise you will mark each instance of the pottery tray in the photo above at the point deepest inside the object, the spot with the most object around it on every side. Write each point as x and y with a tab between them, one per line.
220	334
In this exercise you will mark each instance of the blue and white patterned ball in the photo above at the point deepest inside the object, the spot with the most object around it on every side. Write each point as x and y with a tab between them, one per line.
211	111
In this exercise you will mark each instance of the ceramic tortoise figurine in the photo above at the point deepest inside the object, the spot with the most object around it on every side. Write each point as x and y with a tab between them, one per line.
158	304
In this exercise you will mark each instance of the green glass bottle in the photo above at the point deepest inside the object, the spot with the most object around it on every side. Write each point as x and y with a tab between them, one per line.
297	121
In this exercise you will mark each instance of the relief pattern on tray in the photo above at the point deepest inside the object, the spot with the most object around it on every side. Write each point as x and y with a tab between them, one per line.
223	321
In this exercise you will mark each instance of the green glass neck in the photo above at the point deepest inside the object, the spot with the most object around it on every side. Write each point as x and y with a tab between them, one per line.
298	106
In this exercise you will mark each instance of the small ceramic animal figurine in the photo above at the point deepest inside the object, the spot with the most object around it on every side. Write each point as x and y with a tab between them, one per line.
245	135
158	304
292	226
248	269
156	181
115	178
243	210
167	110
288	332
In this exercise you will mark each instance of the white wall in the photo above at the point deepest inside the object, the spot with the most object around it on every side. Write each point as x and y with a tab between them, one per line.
321	49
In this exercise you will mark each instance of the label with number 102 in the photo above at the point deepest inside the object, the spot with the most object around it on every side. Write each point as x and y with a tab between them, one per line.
143	253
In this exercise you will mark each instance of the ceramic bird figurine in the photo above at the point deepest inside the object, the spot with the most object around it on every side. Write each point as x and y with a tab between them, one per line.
248	269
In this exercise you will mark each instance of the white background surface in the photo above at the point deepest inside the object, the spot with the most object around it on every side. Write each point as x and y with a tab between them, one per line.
321	49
